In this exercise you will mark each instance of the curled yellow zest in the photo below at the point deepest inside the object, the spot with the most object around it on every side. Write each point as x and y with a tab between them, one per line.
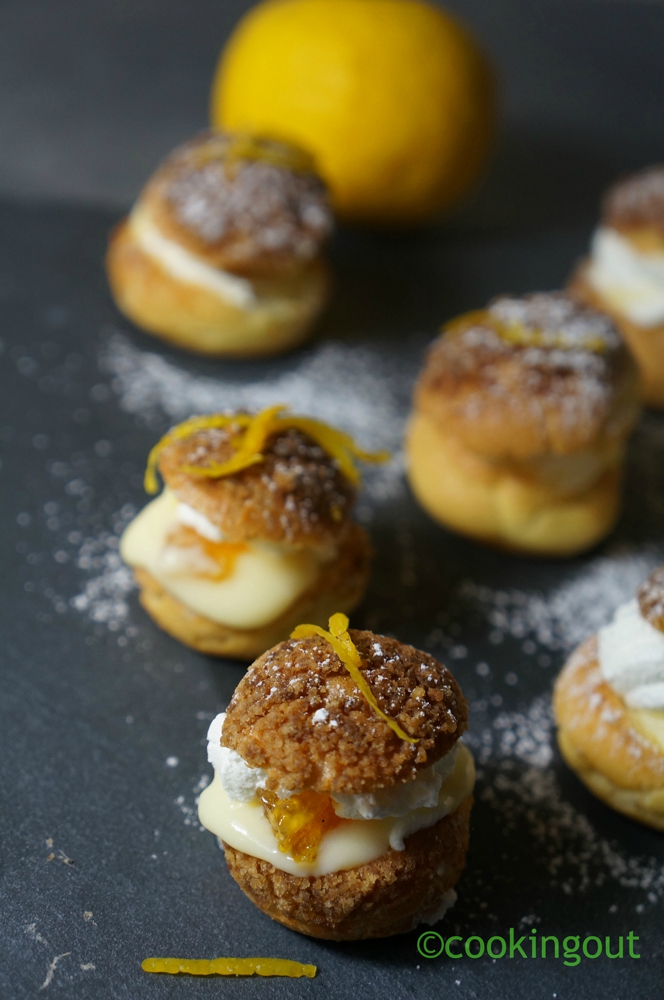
519	335
185	430
249	447
245	147
230	967
345	648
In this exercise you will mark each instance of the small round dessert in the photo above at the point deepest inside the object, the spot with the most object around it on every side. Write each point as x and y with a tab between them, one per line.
222	252
624	275
342	793
521	417
251	532
609	708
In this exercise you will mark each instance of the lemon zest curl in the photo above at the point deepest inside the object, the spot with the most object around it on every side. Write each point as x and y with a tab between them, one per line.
249	448
345	648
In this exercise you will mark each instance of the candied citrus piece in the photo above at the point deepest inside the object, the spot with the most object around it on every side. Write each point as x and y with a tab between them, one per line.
223	554
299	822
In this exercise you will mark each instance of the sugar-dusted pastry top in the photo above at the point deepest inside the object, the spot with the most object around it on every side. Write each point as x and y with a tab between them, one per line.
528	376
636	202
650	596
299	715
297	494
243	204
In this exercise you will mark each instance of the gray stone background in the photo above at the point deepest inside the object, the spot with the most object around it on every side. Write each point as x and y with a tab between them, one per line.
94	92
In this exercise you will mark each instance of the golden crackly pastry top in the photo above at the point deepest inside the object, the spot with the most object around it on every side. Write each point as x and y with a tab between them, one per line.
636	202
651	598
298	714
296	495
243	204
530	376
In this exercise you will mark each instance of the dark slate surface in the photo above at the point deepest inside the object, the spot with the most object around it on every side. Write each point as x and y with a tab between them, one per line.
94	92
90	716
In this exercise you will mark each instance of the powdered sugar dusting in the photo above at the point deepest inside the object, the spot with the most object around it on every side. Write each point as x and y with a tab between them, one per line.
573	611
352	388
516	778
557	321
103	597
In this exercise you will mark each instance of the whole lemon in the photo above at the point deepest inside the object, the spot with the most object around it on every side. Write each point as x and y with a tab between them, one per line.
393	97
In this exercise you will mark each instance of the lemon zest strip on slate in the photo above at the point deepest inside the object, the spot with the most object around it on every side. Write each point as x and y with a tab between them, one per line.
345	648
249	447
519	335
230	967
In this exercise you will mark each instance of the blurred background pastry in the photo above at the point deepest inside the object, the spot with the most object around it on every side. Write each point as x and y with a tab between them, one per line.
519	426
624	274
221	253
251	533
609	707
342	793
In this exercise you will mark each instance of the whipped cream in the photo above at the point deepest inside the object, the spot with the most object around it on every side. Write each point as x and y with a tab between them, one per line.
631	281
183	264
193	518
240	781
399	800
631	658
228	807
402	802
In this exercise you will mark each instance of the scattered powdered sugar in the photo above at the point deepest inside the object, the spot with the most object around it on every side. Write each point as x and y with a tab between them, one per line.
516	778
571	612
353	388
189	810
103	597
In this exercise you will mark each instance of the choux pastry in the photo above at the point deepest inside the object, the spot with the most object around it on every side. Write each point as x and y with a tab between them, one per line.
222	252
342	792
519	426
609	707
624	275
252	531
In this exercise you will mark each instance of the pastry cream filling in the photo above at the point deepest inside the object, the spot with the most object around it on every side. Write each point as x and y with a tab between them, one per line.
631	281
184	265
631	658
260	582
230	809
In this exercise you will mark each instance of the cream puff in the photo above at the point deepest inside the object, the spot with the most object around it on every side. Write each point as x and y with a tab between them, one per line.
252	531
624	275
519	426
222	252
342	792
609	708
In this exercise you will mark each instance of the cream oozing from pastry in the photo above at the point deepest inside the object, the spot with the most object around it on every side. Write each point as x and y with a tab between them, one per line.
631	658
628	279
180	263
263	581
230	809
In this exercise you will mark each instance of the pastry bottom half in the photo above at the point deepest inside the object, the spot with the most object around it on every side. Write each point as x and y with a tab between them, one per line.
492	502
339	587
201	320
645	342
389	895
604	741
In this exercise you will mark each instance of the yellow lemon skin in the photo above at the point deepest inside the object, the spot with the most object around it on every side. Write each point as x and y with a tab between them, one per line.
393	98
